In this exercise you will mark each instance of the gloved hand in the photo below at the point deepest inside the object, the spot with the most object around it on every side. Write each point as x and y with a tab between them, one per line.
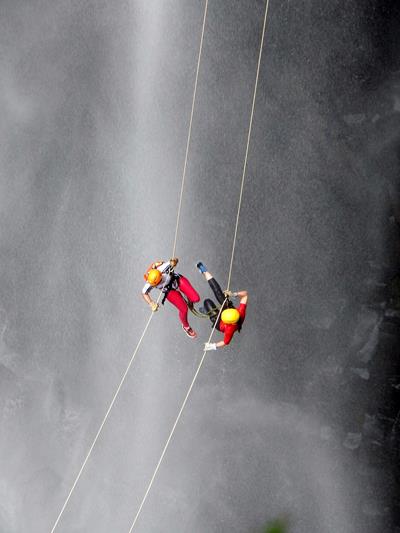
154	306
210	346
230	294
173	261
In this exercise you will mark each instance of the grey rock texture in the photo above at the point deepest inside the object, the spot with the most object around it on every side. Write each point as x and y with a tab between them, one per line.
95	101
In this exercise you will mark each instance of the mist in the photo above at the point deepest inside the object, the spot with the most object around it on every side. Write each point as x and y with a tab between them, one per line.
289	420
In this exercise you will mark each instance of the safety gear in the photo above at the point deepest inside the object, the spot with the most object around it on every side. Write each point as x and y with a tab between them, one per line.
230	316
156	264
154	277
230	294
154	306
171	283
210	346
202	267
173	261
200	313
189	332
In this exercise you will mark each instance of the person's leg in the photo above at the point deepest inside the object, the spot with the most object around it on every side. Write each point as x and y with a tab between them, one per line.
215	287
209	306
187	289
176	299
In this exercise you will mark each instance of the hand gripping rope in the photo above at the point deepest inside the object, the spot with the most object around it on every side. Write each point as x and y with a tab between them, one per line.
229	280
159	297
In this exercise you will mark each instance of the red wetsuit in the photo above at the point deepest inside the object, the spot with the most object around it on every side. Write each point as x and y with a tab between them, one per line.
176	298
229	329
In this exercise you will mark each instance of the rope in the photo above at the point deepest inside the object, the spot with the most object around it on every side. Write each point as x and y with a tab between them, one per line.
196	312
175	424
248	143
190	129
158	299
102	425
229	279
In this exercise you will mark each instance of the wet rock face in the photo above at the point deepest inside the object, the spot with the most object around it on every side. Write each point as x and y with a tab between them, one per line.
301	413
352	441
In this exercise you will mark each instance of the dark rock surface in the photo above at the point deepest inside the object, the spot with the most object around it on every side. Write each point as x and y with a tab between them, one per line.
300	416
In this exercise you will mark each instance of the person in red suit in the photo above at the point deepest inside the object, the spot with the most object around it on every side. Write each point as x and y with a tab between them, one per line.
230	318
161	275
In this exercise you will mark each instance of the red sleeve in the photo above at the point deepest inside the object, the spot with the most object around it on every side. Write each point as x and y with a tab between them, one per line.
242	311
229	331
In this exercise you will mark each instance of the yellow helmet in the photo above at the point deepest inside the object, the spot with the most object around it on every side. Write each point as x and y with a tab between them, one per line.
154	277
230	316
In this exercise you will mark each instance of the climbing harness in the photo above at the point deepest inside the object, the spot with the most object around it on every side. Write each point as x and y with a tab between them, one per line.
172	283
196	312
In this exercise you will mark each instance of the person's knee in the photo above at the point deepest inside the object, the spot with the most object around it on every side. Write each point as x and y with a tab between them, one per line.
209	305
188	290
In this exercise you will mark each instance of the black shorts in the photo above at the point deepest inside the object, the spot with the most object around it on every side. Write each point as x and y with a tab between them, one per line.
211	308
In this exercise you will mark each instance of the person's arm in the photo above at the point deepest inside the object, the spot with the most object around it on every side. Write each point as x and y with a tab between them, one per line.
243	295
213	345
146	297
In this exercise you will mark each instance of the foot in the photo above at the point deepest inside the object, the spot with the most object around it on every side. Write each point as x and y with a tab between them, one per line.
202	267
190	332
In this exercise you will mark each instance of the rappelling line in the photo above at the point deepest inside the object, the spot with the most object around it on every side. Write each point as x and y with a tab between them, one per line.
229	279
173	427
158	299
101	425
248	143
190	129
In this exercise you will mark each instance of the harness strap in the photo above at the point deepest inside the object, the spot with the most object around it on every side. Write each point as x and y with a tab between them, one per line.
170	285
